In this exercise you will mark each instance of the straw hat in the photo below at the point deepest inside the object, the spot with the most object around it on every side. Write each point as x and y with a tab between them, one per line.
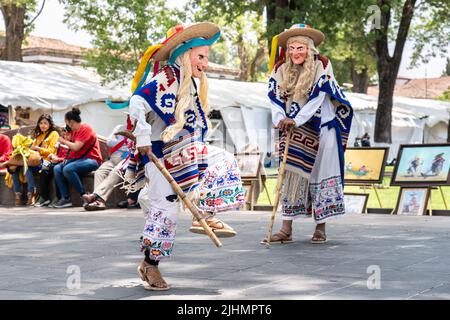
179	34
301	30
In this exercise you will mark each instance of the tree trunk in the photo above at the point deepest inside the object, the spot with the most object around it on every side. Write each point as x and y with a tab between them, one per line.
388	66
256	62
360	79
277	18
383	122
243	57
14	17
448	131
270	17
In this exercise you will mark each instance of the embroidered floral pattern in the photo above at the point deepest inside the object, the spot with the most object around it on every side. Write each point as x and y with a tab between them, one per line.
159	234
222	188
326	200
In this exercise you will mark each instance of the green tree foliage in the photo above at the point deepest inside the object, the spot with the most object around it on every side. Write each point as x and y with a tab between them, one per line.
242	44
19	17
426	24
122	30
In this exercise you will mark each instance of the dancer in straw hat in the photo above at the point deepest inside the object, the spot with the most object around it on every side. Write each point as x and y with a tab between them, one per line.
171	121
305	96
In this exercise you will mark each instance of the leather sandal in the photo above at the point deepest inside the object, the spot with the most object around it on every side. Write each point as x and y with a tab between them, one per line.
220	228
281	237
319	237
95	206
152	276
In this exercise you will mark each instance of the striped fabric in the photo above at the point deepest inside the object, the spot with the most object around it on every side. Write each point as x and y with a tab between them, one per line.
185	159
304	143
303	148
184	156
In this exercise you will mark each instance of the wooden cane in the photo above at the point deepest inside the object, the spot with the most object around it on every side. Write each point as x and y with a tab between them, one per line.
279	185
197	215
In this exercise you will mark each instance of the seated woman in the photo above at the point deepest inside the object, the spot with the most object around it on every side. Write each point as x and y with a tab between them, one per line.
46	174
84	157
45	138
5	148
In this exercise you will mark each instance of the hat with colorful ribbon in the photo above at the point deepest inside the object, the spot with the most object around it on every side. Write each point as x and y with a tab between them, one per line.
178	40
299	29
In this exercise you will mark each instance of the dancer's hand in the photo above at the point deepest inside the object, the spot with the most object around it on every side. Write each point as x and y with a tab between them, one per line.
286	124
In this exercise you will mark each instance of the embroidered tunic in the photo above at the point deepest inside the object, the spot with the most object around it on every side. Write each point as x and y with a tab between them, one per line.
153	106
313	182
185	157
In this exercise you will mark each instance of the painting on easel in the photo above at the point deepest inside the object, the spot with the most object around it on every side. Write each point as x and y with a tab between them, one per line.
365	165
422	165
412	201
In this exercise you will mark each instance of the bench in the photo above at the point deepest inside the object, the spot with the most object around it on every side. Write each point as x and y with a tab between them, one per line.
7	195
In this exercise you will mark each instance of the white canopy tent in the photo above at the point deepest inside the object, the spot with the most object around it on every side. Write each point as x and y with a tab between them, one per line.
56	89
243	106
413	120
245	110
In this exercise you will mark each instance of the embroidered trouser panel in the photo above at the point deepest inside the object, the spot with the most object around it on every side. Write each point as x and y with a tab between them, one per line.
221	188
325	196
160	215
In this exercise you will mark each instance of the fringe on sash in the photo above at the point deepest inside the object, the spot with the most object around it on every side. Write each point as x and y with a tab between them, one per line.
295	186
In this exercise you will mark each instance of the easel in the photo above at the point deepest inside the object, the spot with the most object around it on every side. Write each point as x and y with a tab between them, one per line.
265	188
430	205
251	181
371	186
249	192
443	198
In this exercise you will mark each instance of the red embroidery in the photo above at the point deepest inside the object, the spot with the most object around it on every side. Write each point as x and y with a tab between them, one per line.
324	60
146	91
170	76
161	87
279	64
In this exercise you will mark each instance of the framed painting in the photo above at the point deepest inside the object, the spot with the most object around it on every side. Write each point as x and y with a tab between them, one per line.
422	165
355	202
365	165
412	201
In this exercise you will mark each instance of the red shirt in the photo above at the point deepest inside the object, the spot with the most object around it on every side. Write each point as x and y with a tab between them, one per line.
86	135
5	148
63	150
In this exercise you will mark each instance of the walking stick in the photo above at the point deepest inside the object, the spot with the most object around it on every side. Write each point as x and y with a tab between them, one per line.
197	215
279	185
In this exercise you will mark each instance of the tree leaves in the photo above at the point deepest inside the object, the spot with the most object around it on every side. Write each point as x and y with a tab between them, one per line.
122	30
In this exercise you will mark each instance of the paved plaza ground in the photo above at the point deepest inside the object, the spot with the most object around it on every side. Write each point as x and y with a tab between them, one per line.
42	249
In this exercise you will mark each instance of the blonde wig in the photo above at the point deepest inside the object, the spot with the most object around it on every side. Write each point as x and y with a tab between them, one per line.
299	78
185	99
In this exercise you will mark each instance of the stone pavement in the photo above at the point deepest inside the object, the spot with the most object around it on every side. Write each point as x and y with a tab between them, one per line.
39	248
